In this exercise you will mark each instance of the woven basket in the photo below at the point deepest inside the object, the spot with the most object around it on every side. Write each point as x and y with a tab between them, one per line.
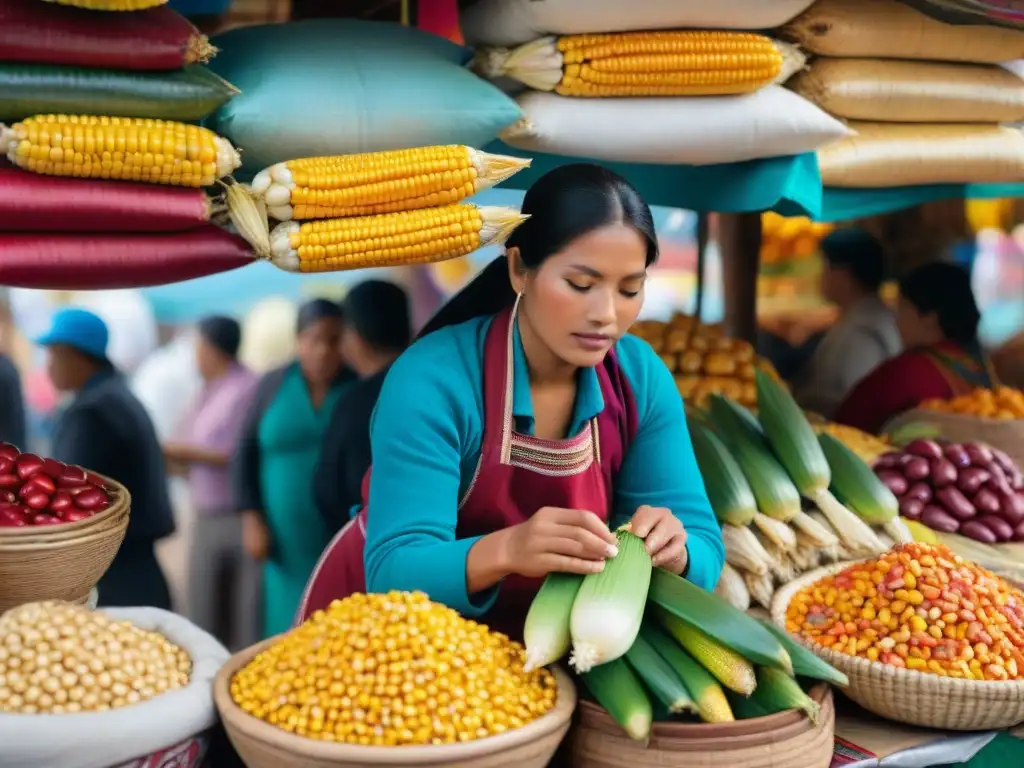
907	696
1006	435
64	564
786	739
261	745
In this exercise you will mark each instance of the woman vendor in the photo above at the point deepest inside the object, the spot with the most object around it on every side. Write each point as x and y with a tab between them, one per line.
274	465
525	425
938	321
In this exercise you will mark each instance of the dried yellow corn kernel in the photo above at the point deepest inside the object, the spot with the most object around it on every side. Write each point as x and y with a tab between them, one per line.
672	63
380	182
128	149
423	236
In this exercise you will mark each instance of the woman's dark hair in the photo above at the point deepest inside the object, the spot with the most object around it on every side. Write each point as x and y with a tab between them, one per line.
944	289
223	333
563	204
317	309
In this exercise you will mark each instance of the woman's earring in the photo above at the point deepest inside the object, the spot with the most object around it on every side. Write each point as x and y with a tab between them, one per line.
519	297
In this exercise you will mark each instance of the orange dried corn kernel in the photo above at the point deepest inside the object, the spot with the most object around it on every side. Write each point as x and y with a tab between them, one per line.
918	607
1004	403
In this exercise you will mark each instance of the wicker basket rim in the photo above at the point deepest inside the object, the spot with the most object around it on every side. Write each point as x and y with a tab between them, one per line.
88	536
252	728
935	684
122	503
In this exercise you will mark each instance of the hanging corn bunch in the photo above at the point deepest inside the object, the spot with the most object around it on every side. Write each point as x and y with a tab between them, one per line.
380	182
663	63
119	148
423	236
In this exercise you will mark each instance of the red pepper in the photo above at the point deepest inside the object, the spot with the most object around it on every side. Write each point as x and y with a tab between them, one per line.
45	33
75	262
30	202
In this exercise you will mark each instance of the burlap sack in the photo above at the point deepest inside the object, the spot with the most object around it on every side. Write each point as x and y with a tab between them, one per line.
910	154
886	29
912	91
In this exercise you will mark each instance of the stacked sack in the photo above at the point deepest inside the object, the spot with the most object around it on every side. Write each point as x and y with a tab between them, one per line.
661	82
108	167
382	209
928	100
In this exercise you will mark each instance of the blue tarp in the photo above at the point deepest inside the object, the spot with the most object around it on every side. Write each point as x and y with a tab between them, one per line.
790	185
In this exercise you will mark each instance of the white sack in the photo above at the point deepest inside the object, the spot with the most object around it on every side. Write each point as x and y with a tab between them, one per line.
103	739
510	22
674	131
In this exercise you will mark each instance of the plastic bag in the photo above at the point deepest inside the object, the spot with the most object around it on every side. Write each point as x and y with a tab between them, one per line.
886	29
687	130
510	22
103	739
913	91
905	154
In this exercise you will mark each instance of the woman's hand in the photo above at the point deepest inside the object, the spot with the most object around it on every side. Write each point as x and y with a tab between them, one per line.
554	539
664	536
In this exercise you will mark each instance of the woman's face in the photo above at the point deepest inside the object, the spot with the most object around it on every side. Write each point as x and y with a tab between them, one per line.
319	349
916	330
585	297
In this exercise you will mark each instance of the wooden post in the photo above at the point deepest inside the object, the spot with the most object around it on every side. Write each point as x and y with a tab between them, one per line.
739	240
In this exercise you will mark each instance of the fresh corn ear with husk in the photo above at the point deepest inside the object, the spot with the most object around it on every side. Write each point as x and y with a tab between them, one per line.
806	663
772	487
659	677
380	182
424	236
723	623
856	485
761	587
616	687
546	631
655	63
707	694
732	588
121	148
815	533
776	531
794	442
729	668
778	692
728	490
609	607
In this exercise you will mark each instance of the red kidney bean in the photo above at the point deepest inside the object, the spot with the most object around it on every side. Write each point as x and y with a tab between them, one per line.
920	491
978	531
971	479
53	468
37	501
911	508
75	515
12	522
942	472
1002	529
6	466
8	497
1012	509
896	482
955	503
956	454
916	468
9	452
10	482
980	455
28	464
1003	460
888	460
43	519
72	476
92	500
95	479
938	519
926	448
43	482
986	501
61	502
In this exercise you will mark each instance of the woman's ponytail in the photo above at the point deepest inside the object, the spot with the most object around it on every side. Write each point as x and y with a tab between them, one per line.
486	294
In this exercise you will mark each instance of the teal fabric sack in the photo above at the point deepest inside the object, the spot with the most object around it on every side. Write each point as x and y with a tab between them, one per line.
330	87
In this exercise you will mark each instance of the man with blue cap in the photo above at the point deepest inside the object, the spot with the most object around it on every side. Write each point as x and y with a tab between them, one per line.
106	429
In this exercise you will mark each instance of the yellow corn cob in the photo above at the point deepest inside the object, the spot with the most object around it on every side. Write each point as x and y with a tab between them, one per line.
729	668
129	149
672	63
423	236
380	182
111	5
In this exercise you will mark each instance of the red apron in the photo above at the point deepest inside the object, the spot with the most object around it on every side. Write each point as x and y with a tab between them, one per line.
516	475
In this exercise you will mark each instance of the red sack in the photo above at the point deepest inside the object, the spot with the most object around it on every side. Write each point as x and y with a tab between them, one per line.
30	202
34	32
76	262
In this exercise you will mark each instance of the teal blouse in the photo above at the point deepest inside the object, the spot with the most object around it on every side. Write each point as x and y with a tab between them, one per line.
426	437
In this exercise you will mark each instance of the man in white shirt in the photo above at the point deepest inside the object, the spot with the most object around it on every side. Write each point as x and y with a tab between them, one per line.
865	334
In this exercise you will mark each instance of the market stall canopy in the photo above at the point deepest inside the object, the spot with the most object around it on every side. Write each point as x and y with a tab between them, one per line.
845	204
